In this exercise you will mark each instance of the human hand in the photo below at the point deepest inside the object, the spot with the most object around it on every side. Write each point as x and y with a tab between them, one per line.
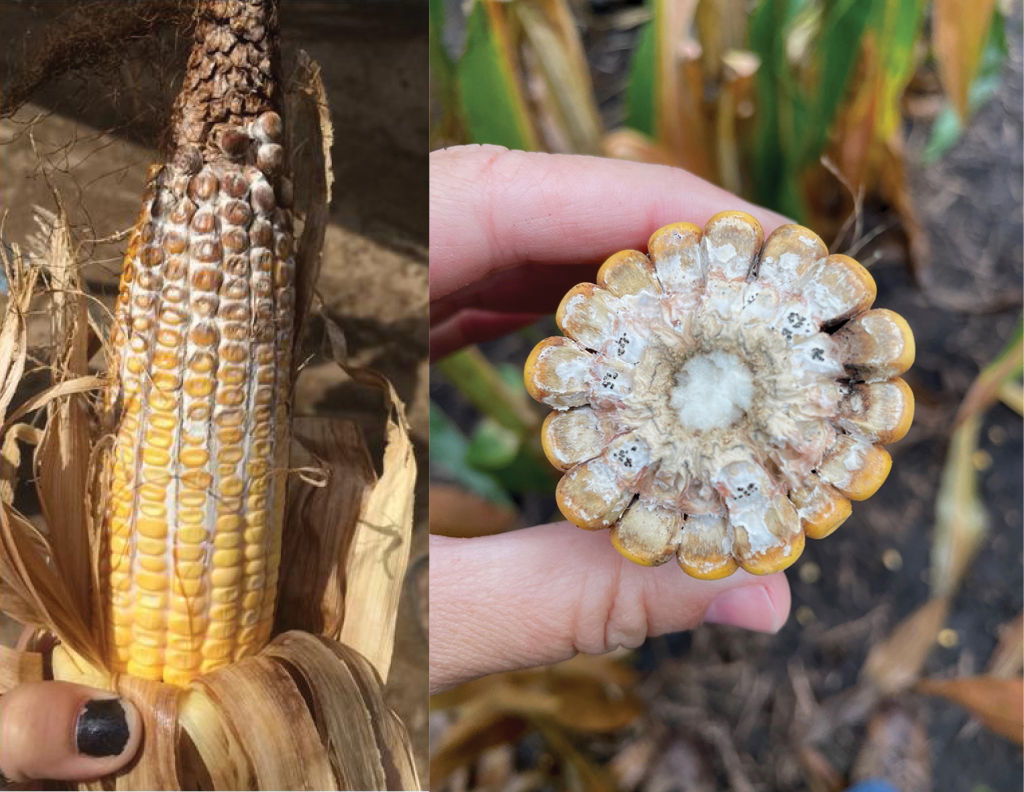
62	731
510	233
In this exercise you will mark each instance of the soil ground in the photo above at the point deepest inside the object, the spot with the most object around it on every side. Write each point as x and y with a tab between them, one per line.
98	129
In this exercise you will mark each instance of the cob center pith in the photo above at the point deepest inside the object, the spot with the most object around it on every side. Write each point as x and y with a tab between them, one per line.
201	372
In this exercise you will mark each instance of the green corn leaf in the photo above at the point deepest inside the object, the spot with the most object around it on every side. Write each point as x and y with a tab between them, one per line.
842	27
492	446
948	127
775	150
492	100
641	88
448	452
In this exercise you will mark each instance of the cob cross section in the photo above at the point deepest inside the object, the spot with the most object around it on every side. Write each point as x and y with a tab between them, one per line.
722	398
202	368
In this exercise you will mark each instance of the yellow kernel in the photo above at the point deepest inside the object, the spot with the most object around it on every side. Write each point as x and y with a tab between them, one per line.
256	567
255	533
189	570
222	629
190	534
227	541
232	486
148	546
146	670
155	510
152	528
189	605
183	660
256	583
227	559
225	595
231	455
199	387
168	337
159	476
188	588
152	492
198	479
189	553
153	563
217	650
165	359
185	641
229	522
224	612
150	581
194	496
150	620
252	599
154	600
221	578
189	516
194	457
156	457
166	380
186	624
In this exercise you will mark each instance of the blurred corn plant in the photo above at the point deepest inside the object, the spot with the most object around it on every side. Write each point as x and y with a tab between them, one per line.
749	95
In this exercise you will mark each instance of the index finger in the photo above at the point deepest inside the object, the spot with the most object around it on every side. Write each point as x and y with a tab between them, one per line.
493	210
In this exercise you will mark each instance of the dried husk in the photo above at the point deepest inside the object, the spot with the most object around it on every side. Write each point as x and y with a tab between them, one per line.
306	712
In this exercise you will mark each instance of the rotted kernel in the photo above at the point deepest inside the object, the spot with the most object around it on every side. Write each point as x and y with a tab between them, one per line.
174	242
182	212
270	158
261	234
208	251
263	197
207	279
175	268
236	213
204	222
236	185
203	186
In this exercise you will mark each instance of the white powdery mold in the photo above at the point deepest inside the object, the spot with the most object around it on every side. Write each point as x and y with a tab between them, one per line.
723	396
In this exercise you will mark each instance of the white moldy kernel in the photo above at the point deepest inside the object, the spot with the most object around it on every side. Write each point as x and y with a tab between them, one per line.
719	404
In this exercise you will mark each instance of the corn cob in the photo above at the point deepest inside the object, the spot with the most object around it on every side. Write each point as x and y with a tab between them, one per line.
723	398
201	369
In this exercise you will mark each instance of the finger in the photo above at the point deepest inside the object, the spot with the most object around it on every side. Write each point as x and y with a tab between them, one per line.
526	287
542	594
492	209
471	326
57	730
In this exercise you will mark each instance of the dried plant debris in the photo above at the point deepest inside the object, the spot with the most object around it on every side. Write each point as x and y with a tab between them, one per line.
722	397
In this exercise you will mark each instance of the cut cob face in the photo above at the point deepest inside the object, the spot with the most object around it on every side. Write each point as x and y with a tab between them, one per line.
202	342
722	397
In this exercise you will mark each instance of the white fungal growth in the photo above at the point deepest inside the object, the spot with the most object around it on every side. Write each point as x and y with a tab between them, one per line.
712	391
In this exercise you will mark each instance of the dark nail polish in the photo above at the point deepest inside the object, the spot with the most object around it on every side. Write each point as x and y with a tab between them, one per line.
102	728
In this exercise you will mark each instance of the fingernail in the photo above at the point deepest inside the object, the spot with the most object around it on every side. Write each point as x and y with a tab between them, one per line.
102	728
749	607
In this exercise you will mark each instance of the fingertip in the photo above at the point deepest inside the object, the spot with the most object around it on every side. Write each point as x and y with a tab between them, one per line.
761	606
62	731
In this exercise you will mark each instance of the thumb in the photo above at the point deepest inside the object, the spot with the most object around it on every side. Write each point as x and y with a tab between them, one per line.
541	594
62	731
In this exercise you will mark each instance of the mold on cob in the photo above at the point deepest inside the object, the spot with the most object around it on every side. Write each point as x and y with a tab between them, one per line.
202	369
722	397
